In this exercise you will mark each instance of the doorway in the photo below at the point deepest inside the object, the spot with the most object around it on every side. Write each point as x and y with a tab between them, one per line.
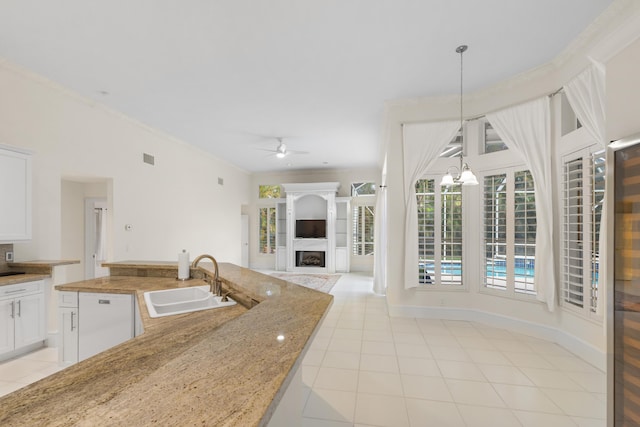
96	237
86	218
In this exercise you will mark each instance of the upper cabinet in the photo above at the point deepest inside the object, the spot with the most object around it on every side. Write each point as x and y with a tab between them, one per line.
15	195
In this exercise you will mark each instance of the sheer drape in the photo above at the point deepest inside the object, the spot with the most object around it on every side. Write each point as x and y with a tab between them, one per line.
422	144
526	130
380	239
586	94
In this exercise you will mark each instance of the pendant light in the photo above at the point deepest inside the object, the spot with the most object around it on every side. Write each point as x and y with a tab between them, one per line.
465	175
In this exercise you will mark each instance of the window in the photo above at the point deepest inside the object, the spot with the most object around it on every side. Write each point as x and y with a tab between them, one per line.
492	141
509	232
495	231
363	217
439	233
569	121
267	230
454	148
363	188
269	192
524	232
573	254
583	196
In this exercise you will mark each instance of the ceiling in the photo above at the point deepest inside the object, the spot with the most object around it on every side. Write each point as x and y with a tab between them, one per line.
232	76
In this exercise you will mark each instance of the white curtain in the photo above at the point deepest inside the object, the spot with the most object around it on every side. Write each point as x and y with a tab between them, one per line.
380	239
422	144
526	130
586	94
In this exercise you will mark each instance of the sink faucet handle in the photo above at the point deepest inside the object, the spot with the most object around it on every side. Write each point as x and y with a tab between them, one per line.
225	297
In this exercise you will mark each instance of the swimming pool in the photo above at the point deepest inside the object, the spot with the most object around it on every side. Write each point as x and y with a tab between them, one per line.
498	268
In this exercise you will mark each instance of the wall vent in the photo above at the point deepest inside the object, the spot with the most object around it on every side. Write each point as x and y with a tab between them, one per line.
220	181
148	159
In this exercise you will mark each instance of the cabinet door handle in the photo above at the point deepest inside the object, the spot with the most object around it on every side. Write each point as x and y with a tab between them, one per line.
72	315
19	308
13	309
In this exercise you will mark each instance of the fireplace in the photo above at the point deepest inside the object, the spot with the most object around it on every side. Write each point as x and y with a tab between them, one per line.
310	259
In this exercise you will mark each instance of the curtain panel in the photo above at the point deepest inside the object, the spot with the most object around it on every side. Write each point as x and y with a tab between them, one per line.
380	239
422	144
526	129
586	95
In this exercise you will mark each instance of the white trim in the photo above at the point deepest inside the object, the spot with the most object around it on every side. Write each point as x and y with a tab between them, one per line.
575	345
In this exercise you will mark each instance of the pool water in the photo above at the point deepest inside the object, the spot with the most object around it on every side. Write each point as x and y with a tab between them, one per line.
496	270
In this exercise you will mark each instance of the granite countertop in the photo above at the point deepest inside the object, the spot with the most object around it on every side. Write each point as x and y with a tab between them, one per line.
21	278
212	367
34	270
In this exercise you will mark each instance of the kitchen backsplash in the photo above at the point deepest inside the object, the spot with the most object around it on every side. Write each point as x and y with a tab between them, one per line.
3	250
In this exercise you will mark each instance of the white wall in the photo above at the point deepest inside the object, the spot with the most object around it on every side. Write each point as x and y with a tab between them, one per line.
344	176
623	93
175	204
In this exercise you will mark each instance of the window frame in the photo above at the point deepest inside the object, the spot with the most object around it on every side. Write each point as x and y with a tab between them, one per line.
587	311
437	284
271	212
363	201
509	291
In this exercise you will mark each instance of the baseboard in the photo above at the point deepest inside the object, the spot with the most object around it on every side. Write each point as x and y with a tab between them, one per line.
575	345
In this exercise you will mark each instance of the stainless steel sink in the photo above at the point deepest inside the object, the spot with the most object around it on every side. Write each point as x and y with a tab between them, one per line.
182	300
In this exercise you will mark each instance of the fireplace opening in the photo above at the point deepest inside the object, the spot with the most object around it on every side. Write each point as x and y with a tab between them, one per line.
310	259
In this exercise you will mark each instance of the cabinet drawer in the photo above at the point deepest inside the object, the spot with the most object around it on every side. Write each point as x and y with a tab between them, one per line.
18	289
67	299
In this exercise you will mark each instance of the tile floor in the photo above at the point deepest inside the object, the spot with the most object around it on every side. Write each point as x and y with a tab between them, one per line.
19	372
367	369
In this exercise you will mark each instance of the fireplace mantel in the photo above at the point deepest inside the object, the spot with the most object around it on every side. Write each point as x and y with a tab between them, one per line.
314	201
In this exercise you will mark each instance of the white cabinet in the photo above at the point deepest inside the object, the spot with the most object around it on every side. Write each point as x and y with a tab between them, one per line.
7	327
15	194
22	316
93	322
68	324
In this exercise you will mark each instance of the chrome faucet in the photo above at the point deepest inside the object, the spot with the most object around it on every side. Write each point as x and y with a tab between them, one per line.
216	286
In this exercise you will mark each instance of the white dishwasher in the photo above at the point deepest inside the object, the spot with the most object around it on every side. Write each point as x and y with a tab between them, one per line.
104	320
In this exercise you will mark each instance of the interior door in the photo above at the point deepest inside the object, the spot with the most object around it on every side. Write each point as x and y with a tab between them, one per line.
244	238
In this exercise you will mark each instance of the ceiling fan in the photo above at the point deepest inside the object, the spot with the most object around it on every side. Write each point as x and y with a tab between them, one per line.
281	151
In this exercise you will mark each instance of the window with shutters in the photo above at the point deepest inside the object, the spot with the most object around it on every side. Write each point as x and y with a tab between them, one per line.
509	234
439	234
362	227
583	197
267	231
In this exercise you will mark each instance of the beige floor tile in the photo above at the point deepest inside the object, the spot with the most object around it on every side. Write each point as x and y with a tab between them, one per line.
384	411
330	405
481	416
426	388
336	379
474	393
526	398
429	413
380	383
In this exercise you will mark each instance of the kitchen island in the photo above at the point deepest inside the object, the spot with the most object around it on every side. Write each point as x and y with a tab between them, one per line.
229	366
